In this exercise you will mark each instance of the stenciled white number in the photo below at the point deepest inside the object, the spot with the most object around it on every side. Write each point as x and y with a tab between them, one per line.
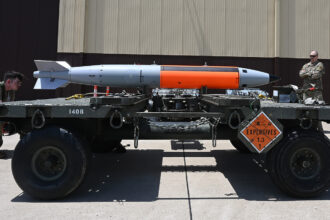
76	111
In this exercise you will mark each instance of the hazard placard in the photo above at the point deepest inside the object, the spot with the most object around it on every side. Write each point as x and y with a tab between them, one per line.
261	132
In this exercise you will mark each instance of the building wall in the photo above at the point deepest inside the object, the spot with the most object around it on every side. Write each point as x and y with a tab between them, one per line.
240	28
28	32
169	27
275	36
71	24
305	26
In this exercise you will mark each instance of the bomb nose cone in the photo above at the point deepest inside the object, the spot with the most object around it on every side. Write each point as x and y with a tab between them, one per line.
273	78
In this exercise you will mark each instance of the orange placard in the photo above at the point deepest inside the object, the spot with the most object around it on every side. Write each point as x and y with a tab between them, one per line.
261	132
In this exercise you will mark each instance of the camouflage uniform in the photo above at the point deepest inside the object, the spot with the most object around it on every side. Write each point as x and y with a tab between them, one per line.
312	75
5	96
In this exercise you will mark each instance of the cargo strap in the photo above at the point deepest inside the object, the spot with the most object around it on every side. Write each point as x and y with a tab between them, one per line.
214	131
76	96
136	132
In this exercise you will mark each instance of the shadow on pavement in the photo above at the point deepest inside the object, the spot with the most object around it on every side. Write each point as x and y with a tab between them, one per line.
187	145
9	154
135	176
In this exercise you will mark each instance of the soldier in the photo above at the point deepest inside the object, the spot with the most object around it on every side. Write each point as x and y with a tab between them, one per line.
312	74
11	83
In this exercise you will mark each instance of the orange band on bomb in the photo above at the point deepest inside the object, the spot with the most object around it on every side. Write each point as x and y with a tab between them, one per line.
192	78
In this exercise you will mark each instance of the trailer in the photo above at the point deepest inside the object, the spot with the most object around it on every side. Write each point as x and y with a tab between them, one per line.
58	135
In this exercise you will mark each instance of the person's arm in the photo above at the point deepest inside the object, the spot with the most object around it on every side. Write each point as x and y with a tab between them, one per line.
318	71
303	72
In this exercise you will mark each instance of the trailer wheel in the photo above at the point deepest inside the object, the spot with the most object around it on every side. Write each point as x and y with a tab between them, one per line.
240	147
49	163
299	165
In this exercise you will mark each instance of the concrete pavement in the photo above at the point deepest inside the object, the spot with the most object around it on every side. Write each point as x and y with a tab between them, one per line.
165	180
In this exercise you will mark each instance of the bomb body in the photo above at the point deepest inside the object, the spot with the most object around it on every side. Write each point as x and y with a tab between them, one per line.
54	74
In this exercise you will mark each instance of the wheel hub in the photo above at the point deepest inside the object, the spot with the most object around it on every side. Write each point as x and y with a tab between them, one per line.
49	163
305	163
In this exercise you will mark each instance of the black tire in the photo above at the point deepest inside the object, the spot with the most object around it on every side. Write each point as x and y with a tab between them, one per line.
103	146
240	147
299	165
50	163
